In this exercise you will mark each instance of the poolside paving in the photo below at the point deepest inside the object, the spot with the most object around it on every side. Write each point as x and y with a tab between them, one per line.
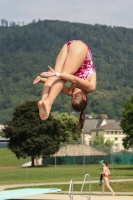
76	197
3	187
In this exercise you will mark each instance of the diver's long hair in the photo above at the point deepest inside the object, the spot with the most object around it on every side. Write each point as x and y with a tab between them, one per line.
80	108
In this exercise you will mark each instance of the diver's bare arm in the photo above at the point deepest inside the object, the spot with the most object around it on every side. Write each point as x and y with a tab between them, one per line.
66	90
87	85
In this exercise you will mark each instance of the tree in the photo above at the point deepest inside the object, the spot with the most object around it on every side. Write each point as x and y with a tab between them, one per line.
109	143
99	140
68	127
29	135
127	123
105	146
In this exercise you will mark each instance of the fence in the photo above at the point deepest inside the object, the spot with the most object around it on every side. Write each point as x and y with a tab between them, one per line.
77	153
71	160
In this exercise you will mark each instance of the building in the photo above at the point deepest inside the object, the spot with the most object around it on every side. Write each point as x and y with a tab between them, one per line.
92	124
111	131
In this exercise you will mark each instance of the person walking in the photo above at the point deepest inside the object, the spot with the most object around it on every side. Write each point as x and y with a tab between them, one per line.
106	172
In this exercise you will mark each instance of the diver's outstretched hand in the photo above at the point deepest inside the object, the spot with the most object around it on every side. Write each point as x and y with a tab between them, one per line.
51	72
39	79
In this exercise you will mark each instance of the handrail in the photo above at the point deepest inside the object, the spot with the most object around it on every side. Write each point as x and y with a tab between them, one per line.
71	190
89	196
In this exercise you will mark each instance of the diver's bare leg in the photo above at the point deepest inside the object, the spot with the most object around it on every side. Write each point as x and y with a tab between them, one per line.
73	61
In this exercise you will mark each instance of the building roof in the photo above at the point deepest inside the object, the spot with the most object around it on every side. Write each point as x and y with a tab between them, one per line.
91	124
100	121
3	138
109	126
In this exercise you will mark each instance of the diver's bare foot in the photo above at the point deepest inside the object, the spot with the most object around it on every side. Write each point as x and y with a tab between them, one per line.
42	111
47	107
113	194
101	194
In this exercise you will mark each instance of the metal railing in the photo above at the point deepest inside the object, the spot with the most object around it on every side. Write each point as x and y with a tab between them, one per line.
89	189
71	190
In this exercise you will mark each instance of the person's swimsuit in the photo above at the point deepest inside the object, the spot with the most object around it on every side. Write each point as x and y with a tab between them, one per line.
105	175
87	68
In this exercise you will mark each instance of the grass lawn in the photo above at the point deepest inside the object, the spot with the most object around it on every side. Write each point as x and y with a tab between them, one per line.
59	173
7	158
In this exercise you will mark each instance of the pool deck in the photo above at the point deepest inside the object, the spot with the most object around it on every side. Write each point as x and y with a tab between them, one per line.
76	197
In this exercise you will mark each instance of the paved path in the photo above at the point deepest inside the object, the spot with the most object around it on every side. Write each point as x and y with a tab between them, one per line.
3	187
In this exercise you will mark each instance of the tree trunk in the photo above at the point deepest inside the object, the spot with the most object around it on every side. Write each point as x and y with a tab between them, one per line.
32	161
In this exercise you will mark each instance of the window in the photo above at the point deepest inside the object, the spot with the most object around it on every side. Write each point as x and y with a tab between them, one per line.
116	138
111	132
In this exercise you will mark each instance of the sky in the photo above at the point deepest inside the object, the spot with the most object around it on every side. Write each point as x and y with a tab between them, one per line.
104	12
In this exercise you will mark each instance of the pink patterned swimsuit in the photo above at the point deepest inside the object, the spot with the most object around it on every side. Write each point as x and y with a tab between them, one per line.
87	68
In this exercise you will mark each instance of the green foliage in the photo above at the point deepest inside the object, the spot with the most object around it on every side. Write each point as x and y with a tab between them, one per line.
68	127
28	50
101	145
127	123
109	143
31	136
2	134
98	140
